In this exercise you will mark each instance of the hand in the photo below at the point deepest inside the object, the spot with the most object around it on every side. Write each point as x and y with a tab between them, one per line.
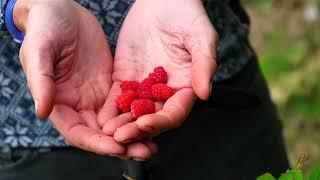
68	66
176	35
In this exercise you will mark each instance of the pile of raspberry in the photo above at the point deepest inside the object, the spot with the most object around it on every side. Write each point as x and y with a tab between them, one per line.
140	97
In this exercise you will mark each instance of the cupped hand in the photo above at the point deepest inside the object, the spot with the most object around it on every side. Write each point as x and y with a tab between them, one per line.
68	66
177	35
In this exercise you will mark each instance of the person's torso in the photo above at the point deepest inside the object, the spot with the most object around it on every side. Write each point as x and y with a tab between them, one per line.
19	126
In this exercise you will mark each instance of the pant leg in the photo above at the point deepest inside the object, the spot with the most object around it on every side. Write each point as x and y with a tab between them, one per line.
218	141
62	164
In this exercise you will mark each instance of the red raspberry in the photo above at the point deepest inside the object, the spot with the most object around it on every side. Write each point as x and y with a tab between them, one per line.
125	99
159	69
144	93
141	107
160	75
162	92
129	85
144	90
148	82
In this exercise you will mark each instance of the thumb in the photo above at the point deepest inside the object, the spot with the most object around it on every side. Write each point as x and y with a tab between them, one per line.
202	44
37	59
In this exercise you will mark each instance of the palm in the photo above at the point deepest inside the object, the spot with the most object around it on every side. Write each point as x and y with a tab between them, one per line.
82	80
138	56
160	40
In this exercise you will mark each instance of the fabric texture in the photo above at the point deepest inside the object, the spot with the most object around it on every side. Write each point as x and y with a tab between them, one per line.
3	30
19	126
219	140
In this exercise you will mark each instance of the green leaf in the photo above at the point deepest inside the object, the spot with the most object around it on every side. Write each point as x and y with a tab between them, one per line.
294	174
266	176
315	173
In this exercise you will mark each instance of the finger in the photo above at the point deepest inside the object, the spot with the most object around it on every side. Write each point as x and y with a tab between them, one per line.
37	59
110	109
202	44
138	151
111	126
129	133
174	112
152	146
71	126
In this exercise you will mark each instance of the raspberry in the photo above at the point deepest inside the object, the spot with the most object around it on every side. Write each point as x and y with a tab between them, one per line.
129	85
159	69
144	93
148	83
141	107
162	92
144	90
160	75
125	99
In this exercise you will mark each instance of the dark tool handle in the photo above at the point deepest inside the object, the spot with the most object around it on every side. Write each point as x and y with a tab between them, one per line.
135	170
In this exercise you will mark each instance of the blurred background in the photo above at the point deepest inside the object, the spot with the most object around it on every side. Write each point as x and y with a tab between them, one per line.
286	35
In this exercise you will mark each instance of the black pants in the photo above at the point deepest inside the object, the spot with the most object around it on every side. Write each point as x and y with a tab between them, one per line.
236	135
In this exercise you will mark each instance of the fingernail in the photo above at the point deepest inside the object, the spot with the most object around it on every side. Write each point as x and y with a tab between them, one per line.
127	141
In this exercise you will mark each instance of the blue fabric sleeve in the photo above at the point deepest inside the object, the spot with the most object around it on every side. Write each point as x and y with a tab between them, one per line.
3	29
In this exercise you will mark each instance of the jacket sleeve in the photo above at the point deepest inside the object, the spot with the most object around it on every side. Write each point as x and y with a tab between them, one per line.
3	29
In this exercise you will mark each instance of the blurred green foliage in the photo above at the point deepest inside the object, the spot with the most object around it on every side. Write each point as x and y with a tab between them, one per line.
261	5
289	56
280	58
315	173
